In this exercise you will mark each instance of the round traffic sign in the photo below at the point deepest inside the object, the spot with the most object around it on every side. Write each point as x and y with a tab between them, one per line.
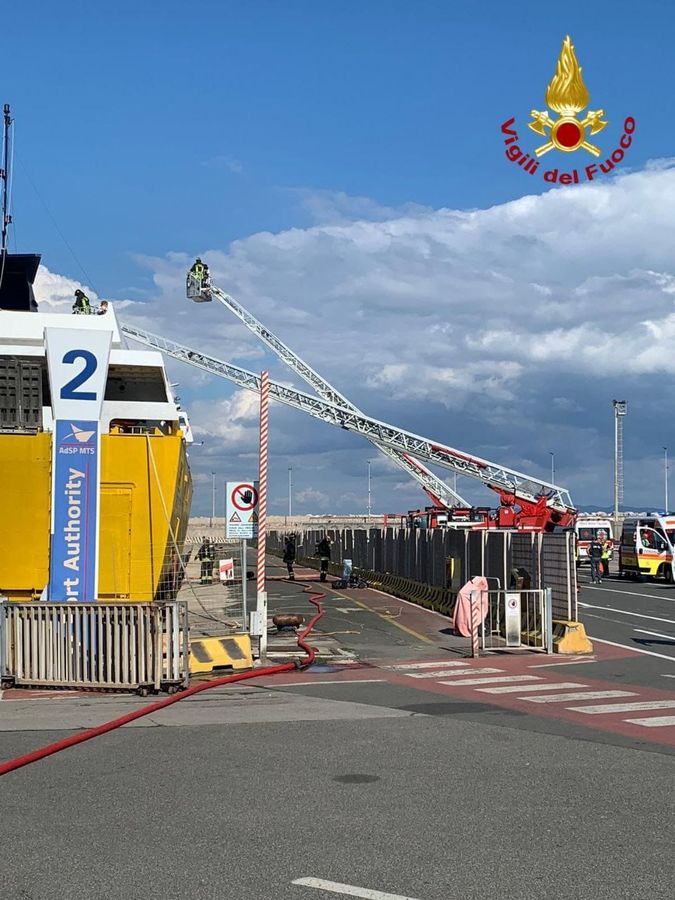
244	497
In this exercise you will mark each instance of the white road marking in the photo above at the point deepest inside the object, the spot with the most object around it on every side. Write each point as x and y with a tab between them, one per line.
493	678
603	708
439	664
332	681
514	688
580	695
446	673
632	649
570	662
349	889
670	637
625	612
631	593
653	721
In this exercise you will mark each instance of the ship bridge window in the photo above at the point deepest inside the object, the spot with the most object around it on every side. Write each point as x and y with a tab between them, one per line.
136	384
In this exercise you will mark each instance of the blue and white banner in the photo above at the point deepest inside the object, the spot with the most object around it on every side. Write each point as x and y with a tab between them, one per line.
72	573
78	368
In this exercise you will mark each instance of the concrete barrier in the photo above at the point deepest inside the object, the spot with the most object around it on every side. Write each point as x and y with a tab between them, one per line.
232	651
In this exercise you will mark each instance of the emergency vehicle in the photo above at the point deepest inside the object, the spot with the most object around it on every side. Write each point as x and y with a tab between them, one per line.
590	528
647	547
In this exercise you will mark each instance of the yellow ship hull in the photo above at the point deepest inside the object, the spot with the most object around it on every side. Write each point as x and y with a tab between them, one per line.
146	491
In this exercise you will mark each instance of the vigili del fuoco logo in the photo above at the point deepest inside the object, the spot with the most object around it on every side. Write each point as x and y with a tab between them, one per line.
567	95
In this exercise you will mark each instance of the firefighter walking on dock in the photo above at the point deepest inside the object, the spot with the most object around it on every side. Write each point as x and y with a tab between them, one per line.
206	555
323	552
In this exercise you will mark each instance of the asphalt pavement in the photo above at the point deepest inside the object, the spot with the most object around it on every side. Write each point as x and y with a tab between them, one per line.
638	615
407	771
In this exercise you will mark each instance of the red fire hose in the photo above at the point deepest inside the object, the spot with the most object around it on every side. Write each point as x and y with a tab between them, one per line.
83	736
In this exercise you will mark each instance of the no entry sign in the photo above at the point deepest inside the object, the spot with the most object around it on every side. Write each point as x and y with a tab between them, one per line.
241	509
244	496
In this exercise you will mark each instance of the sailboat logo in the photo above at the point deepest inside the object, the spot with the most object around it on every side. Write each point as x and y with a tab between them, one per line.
79	434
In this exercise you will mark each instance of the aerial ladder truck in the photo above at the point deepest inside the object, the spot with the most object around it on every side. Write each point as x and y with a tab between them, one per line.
527	503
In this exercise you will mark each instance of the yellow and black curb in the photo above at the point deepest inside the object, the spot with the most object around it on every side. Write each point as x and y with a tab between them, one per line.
232	651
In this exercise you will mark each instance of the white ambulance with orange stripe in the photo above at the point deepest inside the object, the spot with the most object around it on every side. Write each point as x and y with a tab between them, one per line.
647	547
592	528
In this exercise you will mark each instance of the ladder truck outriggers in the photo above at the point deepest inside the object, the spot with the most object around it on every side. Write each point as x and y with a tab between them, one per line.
526	503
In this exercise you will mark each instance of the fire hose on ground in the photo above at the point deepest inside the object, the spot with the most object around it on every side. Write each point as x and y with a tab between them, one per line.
315	597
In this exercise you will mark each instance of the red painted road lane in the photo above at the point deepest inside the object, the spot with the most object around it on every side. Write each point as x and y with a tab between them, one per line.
552	687
550	683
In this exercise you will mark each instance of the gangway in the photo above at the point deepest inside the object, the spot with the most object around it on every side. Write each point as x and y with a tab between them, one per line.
527	502
204	291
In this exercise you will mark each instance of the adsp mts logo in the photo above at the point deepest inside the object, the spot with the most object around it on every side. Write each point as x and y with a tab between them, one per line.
567	95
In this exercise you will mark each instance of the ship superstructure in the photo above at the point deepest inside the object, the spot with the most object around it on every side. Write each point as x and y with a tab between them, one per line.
145	482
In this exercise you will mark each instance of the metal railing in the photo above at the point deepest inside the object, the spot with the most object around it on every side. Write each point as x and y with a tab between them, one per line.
120	646
511	619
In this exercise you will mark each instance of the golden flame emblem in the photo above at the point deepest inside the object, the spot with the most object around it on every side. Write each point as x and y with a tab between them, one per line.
567	95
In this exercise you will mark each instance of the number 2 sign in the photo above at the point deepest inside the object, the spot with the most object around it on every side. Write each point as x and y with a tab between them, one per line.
78	367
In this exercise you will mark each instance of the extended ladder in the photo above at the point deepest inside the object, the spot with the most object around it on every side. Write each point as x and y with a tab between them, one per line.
437	490
505	481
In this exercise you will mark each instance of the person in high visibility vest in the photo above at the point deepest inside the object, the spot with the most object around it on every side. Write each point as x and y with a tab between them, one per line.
205	558
289	555
323	552
606	552
200	272
82	304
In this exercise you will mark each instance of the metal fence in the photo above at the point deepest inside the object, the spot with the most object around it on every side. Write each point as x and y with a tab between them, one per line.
133	646
446	558
512	619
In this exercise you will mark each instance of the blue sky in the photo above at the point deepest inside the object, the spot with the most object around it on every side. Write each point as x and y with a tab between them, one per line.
159	128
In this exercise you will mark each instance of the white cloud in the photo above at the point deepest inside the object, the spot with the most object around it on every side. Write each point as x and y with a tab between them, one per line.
310	498
337	206
226	163
55	292
504	331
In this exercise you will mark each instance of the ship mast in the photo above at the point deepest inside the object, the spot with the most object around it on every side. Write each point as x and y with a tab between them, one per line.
4	174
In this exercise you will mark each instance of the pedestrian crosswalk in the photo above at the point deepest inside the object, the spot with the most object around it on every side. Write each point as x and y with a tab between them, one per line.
624	707
579	695
518	688
487	679
654	721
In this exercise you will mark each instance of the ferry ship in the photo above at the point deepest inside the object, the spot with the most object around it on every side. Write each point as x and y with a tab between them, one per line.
145	481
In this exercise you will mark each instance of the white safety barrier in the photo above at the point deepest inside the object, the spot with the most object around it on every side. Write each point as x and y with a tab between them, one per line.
122	646
511	619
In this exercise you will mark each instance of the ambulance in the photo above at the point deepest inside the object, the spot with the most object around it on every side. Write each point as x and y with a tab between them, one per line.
647	547
590	528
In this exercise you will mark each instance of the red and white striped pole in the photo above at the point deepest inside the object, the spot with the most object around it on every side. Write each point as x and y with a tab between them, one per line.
262	508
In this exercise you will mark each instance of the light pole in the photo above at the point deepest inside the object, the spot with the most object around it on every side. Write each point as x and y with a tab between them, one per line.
665	475
370	505
620	410
552	466
213	498
290	490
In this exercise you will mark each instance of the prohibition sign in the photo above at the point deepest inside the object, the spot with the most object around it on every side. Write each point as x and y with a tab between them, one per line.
240	497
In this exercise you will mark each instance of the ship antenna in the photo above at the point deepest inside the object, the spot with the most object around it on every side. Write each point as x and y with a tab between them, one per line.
4	174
